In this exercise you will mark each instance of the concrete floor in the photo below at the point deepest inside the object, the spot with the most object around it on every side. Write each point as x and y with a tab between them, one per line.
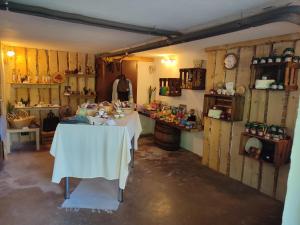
164	188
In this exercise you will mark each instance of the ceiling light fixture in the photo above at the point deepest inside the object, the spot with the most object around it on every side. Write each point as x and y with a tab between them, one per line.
168	61
10	53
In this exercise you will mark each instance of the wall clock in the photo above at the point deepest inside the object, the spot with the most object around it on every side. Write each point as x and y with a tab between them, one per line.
230	61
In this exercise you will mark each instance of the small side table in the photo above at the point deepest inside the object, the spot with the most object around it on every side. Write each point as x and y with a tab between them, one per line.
29	130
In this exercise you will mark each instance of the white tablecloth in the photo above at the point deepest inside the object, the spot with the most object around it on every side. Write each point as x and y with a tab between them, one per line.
87	151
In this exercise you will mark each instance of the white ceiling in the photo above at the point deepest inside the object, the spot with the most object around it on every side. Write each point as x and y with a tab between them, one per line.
269	30
30	31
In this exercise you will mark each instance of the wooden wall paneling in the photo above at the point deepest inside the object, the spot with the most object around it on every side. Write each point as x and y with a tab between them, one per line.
259	99
21	69
231	75
53	69
282	182
251	170
267	179
293	101
206	141
225	139
73	80
210	71
279	47
214	151
259	107
9	68
33	91
276	118
62	66
219	76
81	81
43	69
91	81
243	78
226	128
32	69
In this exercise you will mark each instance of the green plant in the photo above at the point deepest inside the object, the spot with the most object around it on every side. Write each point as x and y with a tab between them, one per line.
150	93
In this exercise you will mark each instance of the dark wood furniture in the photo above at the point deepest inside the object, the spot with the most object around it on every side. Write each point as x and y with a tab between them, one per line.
107	73
172	84
279	151
192	78
284	72
233	103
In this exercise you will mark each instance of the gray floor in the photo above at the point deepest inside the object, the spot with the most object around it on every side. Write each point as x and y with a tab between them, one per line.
164	188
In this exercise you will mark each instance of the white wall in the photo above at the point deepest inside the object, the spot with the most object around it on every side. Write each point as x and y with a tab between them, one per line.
144	80
192	141
291	214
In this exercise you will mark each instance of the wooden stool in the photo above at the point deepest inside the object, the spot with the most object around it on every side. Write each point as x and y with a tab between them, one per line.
47	137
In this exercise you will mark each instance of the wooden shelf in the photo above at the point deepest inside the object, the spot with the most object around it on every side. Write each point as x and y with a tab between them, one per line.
285	73
267	89
279	149
232	105
81	75
275	64
192	78
36	85
173	86
38	107
81	96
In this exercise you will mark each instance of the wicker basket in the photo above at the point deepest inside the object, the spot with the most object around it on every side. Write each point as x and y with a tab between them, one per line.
19	119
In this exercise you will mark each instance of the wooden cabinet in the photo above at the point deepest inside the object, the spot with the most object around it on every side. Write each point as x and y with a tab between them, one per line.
275	152
169	87
232	105
192	78
78	94
285	73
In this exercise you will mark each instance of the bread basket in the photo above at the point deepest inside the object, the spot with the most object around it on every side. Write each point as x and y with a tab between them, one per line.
19	119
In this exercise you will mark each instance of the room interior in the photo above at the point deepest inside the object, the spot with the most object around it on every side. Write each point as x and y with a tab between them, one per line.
112	115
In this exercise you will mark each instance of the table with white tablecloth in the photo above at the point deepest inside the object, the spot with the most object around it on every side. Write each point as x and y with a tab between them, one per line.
90	151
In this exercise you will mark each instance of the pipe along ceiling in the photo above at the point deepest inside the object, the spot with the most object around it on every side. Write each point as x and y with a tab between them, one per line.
281	14
80	19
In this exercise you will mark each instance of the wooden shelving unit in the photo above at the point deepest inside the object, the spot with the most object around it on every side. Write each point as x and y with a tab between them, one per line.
172	85
227	103
81	96
81	75
192	78
283	72
35	85
37	108
279	151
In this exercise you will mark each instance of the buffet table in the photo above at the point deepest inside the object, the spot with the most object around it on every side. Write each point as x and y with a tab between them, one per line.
88	151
